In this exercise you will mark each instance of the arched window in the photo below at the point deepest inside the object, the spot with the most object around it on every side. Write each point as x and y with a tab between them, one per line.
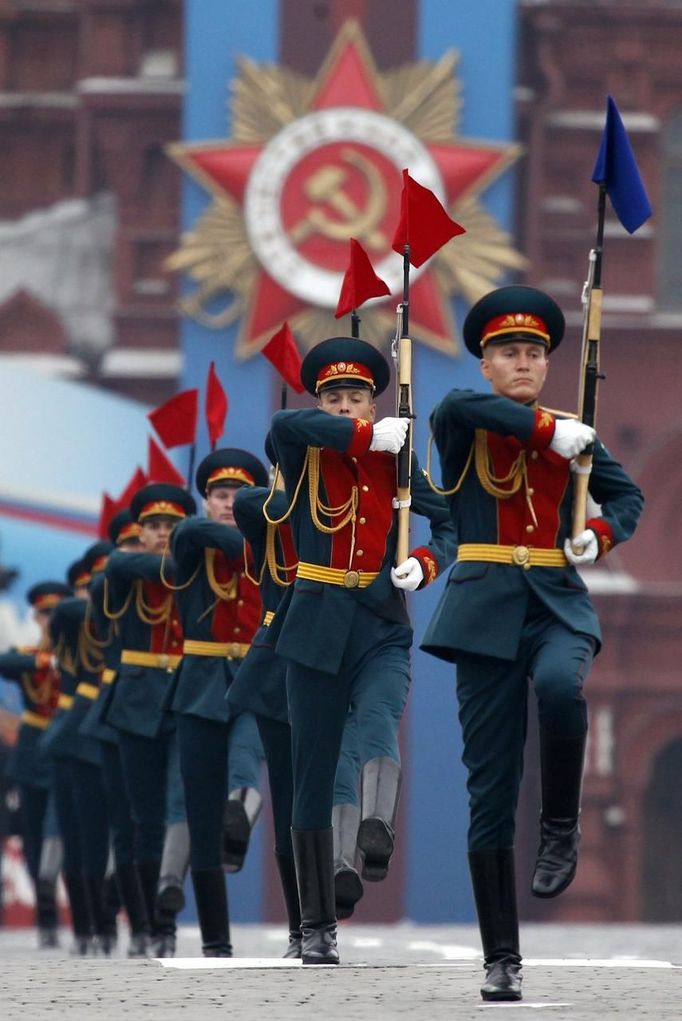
670	284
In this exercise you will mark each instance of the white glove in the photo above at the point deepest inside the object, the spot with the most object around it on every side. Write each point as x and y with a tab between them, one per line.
408	575
570	437
389	434
588	542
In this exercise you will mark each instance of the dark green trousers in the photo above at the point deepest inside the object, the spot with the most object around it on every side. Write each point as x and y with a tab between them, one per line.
493	702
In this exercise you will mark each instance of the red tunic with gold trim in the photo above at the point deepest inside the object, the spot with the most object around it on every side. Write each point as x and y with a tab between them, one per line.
344	530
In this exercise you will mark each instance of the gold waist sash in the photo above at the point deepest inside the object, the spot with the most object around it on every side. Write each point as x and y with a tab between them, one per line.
108	675
268	618
231	650
65	701
336	575
90	691
521	556
34	720
160	660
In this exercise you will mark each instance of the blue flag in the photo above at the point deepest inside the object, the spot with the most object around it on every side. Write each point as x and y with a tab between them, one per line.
616	168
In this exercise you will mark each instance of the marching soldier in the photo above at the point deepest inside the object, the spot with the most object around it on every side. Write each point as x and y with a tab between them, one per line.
220	608
260	687
124	535
150	634
515	607
34	669
346	634
79	796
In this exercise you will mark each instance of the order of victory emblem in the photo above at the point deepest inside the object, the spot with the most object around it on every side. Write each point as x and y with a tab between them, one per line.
314	162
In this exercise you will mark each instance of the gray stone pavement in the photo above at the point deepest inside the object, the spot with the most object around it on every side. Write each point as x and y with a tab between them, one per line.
425	973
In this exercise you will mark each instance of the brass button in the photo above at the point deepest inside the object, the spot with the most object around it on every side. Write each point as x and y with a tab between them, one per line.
530	528
237	630
531	491
351	579
240	602
363	521
521	556
365	489
242	574
534	454
354	460
359	553
163	660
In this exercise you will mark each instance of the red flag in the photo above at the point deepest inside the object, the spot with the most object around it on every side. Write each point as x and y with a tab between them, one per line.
160	468
281	351
138	480
109	508
176	420
360	282
424	225
216	406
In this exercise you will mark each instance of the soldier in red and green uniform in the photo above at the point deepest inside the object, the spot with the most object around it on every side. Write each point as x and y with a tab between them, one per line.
79	795
34	669
515	608
150	633
220	757
346	634
124	535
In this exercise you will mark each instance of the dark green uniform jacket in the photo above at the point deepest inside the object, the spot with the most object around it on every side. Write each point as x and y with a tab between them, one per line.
39	692
220	604
63	739
341	471
500	442
260	684
148	623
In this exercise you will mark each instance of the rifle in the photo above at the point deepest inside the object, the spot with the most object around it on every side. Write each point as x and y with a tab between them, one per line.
589	369
401	352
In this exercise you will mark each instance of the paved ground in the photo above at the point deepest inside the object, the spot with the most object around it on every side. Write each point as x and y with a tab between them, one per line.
581	973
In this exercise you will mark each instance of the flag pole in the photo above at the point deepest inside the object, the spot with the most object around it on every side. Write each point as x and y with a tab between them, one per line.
403	357
589	369
355	324
190	469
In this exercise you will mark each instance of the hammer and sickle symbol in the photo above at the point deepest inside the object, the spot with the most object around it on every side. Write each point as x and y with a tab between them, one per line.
326	186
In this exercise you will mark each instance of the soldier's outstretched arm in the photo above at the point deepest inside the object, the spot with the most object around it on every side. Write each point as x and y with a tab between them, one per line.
311	427
441	549
193	535
621	501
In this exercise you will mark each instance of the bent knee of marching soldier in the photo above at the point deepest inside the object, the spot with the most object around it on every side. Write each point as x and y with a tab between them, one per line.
558	680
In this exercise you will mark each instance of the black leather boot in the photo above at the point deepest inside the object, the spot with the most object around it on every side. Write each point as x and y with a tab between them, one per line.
81	920
102	914
561	762
240	812
314	857
494	883
162	926
133	902
170	895
347	884
287	875
376	835
47	915
211	900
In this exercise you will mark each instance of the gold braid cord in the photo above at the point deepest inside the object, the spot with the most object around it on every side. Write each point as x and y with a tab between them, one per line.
226	591
152	615
87	654
273	489
169	584
347	512
104	643
278	572
108	612
494	486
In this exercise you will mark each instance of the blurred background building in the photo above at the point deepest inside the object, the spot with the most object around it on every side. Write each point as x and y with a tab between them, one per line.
91	208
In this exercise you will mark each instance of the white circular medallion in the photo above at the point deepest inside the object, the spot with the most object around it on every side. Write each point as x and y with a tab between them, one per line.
311	283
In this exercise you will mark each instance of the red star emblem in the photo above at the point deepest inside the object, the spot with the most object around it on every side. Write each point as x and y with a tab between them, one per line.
334	186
